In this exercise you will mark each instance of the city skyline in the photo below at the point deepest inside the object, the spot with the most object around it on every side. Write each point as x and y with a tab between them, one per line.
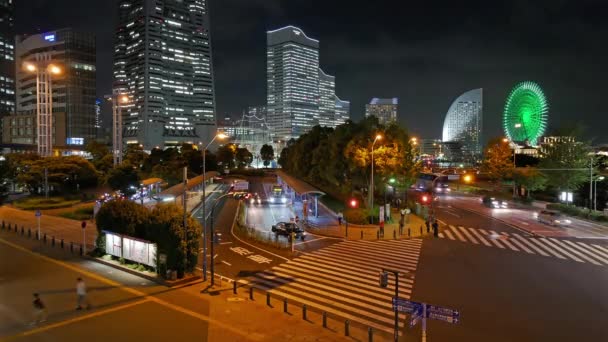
380	58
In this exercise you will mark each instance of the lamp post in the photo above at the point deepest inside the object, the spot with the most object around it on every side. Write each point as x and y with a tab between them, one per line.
117	99
217	201
220	136
598	179
44	71
371	192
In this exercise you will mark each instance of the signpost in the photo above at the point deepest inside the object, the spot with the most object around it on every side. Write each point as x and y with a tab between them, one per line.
38	214
422	311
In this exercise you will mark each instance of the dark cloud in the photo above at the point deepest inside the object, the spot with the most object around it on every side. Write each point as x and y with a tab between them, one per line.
424	52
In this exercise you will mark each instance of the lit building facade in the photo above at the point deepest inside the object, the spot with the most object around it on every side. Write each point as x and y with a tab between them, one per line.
327	100
463	122
384	109
7	58
163	62
342	111
292	73
73	120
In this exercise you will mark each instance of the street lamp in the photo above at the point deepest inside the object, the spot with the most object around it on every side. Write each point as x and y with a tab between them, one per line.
220	136
598	179
371	193
44	102
117	99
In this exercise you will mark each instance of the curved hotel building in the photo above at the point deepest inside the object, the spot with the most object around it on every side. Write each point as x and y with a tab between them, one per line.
463	122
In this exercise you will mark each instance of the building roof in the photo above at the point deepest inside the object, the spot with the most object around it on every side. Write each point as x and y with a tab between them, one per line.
178	189
299	186
379	101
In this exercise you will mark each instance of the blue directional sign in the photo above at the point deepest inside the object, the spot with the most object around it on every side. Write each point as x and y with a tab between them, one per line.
38	213
442	314
415	317
406	306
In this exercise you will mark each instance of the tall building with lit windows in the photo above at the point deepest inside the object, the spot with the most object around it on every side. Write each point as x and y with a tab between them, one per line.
384	109
162	60
74	89
342	111
292	70
327	100
7	58
463	122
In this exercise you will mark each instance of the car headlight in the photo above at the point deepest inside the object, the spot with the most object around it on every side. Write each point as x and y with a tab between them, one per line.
272	199
283	200
567	221
557	221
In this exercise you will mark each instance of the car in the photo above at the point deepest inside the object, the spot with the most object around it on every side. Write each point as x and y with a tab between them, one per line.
553	218
492	202
255	199
286	228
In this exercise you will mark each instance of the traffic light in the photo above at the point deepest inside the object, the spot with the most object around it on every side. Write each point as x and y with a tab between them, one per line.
353	203
383	279
425	199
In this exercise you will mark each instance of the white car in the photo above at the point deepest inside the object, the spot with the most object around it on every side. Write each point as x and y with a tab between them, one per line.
553	218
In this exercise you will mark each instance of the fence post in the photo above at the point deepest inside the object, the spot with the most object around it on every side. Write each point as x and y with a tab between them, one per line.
409	232
370	334
251	293
324	319
234	287
304	312
347	328
394	234
361	234
268	298
22	231
61	243
285	305
71	247
53	241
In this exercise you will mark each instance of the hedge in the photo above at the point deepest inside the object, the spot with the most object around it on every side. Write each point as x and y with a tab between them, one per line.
579	212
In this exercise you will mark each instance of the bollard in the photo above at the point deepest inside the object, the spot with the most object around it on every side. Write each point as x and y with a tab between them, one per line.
409	232
61	243
370	334
267	298
285	305
71	247
53	241
16	228
324	319
394	234
361	234
304	312
44	238
22	231
347	328
234	287
420	230
2	224
251	293
378	234
80	250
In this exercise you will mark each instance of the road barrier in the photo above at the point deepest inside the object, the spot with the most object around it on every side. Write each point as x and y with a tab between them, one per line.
347	328
370	334
304	308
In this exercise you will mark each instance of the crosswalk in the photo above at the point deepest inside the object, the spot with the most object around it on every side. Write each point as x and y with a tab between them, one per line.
549	247
342	279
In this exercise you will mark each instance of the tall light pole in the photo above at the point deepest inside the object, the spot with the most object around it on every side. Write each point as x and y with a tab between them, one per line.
220	136
44	71
117	100
371	192
598	179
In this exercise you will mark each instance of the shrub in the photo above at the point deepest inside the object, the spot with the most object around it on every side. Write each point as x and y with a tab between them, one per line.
356	215
34	203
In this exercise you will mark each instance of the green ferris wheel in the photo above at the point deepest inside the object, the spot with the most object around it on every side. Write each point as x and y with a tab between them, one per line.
525	115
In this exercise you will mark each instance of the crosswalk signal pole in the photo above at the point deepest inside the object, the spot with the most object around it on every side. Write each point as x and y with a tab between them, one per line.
423	322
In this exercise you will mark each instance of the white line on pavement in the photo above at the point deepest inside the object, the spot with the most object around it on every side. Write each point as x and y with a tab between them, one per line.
227	263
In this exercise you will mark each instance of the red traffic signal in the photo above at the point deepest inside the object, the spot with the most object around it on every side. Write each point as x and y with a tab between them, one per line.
353	203
425	199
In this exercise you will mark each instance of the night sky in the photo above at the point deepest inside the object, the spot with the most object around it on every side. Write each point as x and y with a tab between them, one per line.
426	53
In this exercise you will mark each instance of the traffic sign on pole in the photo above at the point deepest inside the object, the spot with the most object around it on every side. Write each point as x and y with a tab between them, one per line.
38	213
406	306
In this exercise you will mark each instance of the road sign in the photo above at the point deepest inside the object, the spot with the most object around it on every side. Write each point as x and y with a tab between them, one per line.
406	306
415	317
38	213
442	314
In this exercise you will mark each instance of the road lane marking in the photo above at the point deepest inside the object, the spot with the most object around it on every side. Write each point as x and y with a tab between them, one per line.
478	236
227	263
531	245
520	245
589	251
73	320
575	251
225	243
457	234
448	234
494	240
303	242
562	249
548	249
465	232
137	293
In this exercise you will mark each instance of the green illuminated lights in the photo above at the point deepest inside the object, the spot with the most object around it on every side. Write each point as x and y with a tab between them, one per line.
525	115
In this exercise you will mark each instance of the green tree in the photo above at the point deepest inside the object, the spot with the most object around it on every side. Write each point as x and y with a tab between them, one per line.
530	178
65	174
566	164
135	155
193	158
123	217
225	156
243	157
123	177
267	154
97	150
498	162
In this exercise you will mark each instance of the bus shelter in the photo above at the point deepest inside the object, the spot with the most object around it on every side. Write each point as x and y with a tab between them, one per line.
301	193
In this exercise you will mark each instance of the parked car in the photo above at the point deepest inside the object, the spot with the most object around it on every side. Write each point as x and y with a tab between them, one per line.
553	218
492	202
286	228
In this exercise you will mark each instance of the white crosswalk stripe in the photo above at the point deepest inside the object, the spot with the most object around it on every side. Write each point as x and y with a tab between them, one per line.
342	279
549	247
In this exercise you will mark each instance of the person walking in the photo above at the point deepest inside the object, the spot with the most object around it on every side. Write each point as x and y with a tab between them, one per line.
340	218
435	228
427	223
381	228
81	292
39	310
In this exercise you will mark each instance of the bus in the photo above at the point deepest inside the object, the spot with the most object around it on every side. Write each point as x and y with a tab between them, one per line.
426	181
277	194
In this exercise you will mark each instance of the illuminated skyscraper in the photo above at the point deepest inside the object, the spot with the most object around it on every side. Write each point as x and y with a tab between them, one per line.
327	100
384	109
163	62
463	122
7	58
292	69
342	111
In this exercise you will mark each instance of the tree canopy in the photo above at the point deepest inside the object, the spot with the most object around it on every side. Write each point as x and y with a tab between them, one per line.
566	164
498	161
267	154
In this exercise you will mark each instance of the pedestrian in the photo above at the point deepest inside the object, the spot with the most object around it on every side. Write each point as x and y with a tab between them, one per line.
381	228
435	228
340	217
81	292
39	310
401	224
427	223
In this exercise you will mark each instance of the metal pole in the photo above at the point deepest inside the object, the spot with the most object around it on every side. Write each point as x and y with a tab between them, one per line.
371	193
595	196
184	199
396	311
46	182
50	116
212	249
204	220
514	167
590	184
84	240
423	322
38	217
